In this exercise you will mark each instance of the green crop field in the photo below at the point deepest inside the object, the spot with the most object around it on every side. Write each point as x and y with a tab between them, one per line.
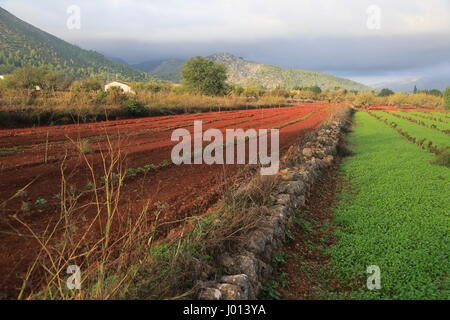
394	213
437	115
440	125
439	139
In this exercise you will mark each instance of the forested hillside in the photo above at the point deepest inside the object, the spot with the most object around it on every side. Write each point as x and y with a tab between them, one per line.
22	44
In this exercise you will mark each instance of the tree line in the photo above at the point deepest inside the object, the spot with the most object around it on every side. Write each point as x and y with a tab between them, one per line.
201	76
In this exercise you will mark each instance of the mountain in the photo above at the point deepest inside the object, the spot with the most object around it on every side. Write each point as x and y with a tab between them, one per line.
421	82
169	70
248	73
23	44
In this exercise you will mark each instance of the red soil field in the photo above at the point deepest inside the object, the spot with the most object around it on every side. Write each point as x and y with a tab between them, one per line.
35	156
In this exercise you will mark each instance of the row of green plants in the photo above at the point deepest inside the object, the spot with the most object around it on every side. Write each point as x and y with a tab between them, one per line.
420	122
417	131
300	119
429	117
439	122
439	137
421	142
114	178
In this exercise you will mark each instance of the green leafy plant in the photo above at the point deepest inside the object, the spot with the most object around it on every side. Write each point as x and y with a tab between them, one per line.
90	187
164	164
40	203
269	291
304	225
279	259
150	167
288	237
131	173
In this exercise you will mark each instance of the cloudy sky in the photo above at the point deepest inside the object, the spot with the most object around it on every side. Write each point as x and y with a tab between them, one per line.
369	41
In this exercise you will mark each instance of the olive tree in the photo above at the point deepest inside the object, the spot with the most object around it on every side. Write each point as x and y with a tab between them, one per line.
201	75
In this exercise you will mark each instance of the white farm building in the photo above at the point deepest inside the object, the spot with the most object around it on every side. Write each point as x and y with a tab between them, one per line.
125	86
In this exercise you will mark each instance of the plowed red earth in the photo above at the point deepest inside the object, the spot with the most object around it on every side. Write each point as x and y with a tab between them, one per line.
35	155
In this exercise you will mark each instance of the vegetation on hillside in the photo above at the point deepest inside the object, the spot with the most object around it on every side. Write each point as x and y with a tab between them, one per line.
252	74
248	73
23	45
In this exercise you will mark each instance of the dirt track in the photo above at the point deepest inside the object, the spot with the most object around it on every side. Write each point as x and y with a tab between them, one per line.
36	155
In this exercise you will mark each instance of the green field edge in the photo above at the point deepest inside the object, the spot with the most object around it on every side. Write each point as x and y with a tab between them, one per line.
394	214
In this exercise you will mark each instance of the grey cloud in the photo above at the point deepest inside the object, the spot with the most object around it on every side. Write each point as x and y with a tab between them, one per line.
322	35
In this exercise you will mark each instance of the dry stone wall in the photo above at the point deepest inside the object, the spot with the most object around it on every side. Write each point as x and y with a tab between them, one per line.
247	270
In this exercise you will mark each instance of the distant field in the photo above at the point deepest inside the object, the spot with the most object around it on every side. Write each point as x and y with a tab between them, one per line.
394	213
